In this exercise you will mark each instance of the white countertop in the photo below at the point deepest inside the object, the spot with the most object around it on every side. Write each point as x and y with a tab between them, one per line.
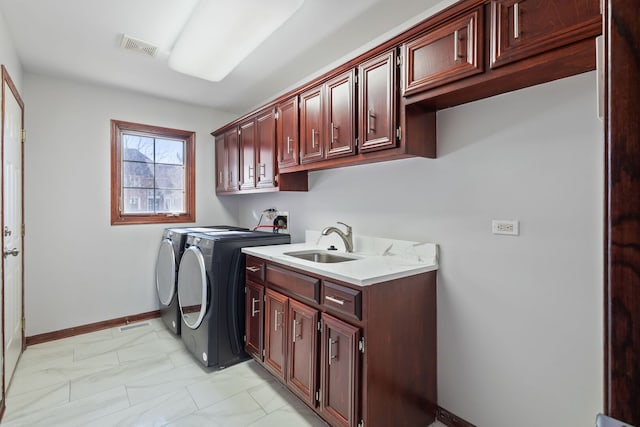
379	260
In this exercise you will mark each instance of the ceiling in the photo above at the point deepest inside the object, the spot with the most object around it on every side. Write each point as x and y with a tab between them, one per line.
80	39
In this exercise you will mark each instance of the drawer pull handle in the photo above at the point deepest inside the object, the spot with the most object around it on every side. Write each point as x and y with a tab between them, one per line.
253	268
275	320
334	299
253	307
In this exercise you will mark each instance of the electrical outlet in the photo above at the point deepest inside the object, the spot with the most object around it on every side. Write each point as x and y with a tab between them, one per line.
505	226
281	220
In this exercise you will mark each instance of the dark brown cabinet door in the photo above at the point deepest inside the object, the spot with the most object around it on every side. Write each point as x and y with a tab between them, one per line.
253	319
266	149
377	103
311	133
275	319
302	360
340	116
446	54
287	133
523	28
222	169
231	147
247	141
340	366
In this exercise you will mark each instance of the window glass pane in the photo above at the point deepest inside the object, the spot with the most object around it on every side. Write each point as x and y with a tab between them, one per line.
170	201
137	148
139	175
138	200
169	176
169	151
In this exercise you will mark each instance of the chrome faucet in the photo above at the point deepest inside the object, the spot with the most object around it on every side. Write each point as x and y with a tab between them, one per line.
346	238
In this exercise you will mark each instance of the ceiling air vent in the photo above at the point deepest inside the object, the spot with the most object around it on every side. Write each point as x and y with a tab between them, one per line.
137	45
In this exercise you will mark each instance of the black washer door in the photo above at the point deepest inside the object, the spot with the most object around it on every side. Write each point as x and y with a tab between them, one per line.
192	287
166	272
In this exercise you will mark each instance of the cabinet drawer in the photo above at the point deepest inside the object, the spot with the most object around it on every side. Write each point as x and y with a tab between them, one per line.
446	54
294	284
342	299
521	29
255	269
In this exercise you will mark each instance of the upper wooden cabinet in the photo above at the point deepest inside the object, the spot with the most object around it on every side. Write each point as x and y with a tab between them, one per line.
377	107
265	171
221	164
287	133
523	28
340	116
227	161
247	143
355	113
448	53
257	140
327	119
311	124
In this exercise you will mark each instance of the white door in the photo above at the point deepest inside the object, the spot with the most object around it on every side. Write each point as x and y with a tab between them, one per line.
12	225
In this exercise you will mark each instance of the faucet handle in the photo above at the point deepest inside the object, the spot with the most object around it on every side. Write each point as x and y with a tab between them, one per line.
348	226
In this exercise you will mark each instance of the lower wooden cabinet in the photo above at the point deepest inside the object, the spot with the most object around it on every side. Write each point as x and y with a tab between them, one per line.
275	320
357	355
339	366
302	359
254	319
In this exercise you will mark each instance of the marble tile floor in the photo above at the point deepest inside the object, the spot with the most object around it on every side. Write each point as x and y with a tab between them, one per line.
143	376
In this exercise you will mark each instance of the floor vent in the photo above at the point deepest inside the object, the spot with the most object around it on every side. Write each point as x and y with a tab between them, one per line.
134	326
137	45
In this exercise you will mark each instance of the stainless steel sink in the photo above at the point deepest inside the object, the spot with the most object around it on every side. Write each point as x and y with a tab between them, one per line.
320	256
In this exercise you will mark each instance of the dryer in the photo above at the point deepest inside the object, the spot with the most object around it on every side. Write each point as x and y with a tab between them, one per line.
211	283
167	262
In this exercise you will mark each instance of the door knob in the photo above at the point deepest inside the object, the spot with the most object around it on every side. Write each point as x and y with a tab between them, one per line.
13	252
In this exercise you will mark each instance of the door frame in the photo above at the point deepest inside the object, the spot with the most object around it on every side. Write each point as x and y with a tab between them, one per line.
622	212
6	78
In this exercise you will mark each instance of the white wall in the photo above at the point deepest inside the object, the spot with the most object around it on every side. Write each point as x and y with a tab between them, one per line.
519	318
78	268
8	56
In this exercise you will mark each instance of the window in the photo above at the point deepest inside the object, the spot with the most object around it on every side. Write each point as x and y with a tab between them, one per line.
152	174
